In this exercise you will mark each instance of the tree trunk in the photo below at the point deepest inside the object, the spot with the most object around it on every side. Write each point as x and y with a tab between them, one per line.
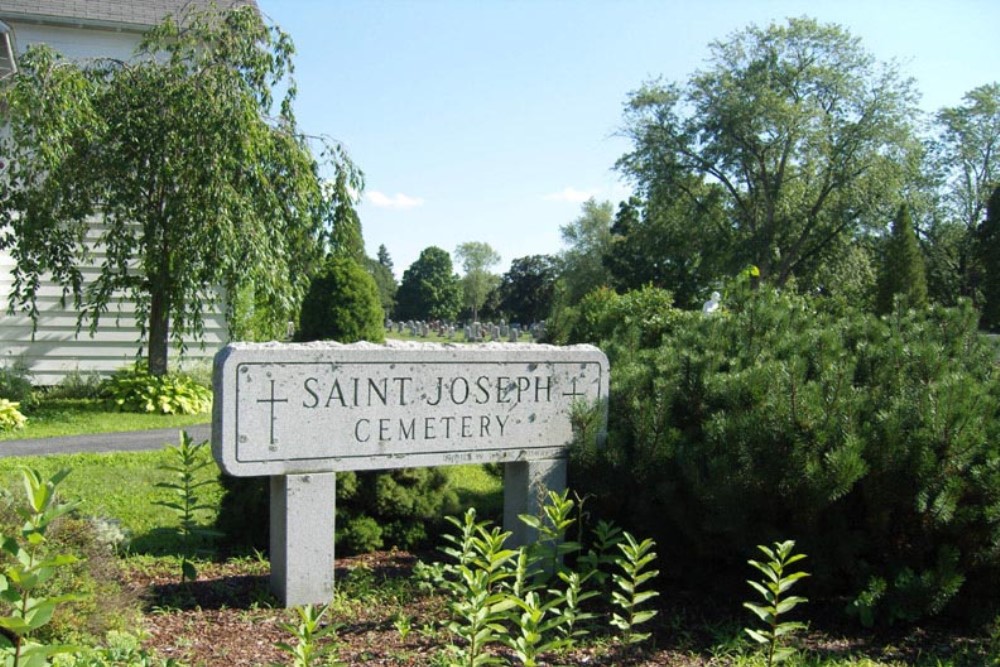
159	332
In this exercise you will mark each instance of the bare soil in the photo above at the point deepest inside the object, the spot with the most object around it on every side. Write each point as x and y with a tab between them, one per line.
228	617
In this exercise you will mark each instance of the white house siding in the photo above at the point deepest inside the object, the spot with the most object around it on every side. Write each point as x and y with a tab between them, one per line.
75	43
56	349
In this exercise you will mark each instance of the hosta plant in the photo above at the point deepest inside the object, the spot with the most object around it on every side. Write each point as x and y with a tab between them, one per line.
10	415
138	390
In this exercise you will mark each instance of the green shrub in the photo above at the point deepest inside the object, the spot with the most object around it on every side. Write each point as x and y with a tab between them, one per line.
137	390
76	384
342	304
638	318
15	385
873	440
375	510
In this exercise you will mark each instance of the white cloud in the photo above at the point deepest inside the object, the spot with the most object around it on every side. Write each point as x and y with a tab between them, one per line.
569	194
398	200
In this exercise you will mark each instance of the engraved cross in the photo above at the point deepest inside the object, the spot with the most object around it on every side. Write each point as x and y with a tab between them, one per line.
574	392
272	401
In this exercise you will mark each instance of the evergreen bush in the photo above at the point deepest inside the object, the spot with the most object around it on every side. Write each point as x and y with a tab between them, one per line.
874	441
342	304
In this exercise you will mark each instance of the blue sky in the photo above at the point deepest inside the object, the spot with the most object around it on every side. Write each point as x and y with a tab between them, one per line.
492	121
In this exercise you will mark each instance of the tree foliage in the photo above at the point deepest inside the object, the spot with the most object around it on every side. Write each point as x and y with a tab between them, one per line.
672	243
968	144
902	276
989	257
197	185
429	289
527	289
581	264
477	259
962	167
808	137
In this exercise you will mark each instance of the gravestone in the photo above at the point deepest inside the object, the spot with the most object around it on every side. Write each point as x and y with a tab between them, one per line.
300	413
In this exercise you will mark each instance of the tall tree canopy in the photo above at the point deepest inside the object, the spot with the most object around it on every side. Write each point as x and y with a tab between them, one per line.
201	179
429	290
588	239
477	259
988	246
964	163
527	289
807	135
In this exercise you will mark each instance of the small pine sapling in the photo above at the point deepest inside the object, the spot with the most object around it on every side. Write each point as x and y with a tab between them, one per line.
188	460
772	588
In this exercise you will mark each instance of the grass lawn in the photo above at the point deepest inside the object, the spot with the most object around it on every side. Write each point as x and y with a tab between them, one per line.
58	417
123	486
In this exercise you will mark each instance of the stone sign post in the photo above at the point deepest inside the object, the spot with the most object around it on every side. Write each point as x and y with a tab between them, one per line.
300	413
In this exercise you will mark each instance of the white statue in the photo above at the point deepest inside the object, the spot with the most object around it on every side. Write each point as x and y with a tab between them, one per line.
712	304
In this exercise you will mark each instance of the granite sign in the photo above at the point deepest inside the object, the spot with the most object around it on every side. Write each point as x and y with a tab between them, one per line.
300	413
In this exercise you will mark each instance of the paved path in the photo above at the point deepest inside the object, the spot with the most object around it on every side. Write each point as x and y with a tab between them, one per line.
132	441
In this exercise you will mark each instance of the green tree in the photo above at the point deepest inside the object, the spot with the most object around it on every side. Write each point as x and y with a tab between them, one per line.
201	180
477	259
385	282
527	289
989	257
963	158
807	135
653	244
429	289
383	257
581	264
903	269
342	304
346	239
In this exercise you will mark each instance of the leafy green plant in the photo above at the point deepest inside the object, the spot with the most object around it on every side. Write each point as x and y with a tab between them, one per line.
137	390
28	570
10	416
634	561
537	623
773	587
15	384
77	384
479	603
188	459
308	632
551	547
499	595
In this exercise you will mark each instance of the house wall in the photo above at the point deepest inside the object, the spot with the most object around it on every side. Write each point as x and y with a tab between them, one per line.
55	348
76	43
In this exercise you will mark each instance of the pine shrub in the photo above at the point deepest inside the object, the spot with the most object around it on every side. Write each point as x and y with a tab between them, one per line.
874	441
342	304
